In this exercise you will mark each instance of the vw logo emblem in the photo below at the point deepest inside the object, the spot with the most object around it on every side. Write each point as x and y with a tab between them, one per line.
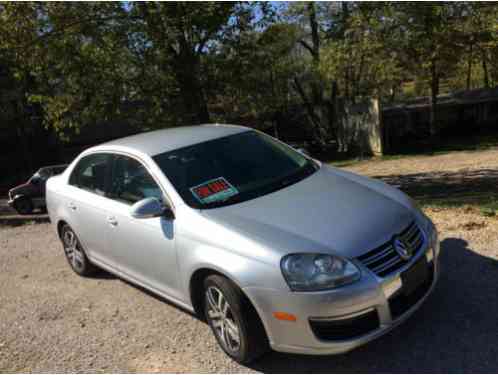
402	248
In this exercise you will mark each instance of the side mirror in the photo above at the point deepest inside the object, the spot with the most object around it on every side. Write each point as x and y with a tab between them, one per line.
151	207
35	180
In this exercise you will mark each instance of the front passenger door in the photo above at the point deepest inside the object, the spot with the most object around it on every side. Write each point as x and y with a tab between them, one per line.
145	248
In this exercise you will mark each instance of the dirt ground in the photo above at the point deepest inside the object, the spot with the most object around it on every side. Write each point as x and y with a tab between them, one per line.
456	178
51	320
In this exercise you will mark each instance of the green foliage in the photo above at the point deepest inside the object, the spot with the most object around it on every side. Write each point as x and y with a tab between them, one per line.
164	64
488	211
361	59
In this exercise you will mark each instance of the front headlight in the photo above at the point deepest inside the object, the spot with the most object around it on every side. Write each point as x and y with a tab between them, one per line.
311	272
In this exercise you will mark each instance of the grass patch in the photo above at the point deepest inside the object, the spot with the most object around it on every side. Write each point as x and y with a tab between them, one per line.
485	205
489	209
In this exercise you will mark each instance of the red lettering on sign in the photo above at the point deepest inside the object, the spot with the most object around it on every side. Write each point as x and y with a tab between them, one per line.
211	188
217	186
203	191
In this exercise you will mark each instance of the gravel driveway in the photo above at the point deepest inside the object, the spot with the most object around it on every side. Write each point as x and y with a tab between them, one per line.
51	320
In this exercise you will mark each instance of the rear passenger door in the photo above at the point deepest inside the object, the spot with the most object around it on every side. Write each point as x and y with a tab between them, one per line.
144	248
86	203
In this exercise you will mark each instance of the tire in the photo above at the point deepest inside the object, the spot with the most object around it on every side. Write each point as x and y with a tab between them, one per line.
239	319
23	206
75	254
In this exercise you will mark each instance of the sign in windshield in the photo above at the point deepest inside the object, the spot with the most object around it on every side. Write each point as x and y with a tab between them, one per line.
233	169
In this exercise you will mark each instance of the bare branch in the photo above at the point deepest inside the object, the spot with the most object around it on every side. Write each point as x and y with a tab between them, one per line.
307	46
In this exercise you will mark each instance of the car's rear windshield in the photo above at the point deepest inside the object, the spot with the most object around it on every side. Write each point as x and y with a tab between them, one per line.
233	169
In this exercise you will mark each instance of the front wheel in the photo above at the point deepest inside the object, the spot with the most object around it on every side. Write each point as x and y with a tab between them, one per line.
233	320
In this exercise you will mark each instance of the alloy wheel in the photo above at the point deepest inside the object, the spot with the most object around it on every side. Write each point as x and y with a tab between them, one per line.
72	249
222	320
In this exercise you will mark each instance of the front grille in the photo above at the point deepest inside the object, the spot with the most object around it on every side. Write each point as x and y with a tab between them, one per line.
401	302
345	329
384	259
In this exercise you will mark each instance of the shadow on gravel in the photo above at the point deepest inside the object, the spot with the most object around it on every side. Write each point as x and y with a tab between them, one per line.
101	274
455	331
456	188
15	221
158	297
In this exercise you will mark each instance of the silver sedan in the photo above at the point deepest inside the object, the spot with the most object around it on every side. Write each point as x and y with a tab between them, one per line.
273	248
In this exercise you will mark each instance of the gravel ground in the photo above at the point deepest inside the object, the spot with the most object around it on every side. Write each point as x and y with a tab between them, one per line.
52	320
450	162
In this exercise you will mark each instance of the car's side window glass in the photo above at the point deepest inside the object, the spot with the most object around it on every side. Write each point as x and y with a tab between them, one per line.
90	173
132	182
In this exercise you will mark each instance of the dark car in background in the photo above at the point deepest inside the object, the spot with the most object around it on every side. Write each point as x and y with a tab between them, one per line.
27	197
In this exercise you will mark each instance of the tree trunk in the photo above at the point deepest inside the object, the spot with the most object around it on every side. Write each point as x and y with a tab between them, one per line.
316	85
23	142
314	103
315	119
332	110
21	119
434	94
393	94
187	73
485	69
315	38
277	118
469	69
359	76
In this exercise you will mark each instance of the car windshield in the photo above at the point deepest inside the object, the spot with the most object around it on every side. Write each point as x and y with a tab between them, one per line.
233	169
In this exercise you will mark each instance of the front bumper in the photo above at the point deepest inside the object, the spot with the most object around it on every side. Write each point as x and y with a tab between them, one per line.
370	294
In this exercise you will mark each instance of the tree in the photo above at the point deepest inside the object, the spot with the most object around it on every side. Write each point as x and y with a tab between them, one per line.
427	45
309	83
361	57
177	36
164	64
476	35
65	56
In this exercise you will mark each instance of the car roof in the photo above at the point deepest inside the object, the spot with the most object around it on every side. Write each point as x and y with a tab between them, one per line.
164	140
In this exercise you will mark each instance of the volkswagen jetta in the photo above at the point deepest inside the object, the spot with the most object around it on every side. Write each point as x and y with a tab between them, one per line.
273	248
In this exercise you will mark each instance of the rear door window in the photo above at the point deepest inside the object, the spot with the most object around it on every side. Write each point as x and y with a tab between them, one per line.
91	173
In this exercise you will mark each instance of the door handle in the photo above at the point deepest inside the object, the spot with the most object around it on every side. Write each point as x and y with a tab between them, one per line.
72	206
112	220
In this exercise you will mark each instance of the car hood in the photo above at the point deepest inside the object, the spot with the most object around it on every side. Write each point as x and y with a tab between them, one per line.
326	212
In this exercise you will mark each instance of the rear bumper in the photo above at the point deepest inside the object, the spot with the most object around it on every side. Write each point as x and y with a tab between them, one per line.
370	295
